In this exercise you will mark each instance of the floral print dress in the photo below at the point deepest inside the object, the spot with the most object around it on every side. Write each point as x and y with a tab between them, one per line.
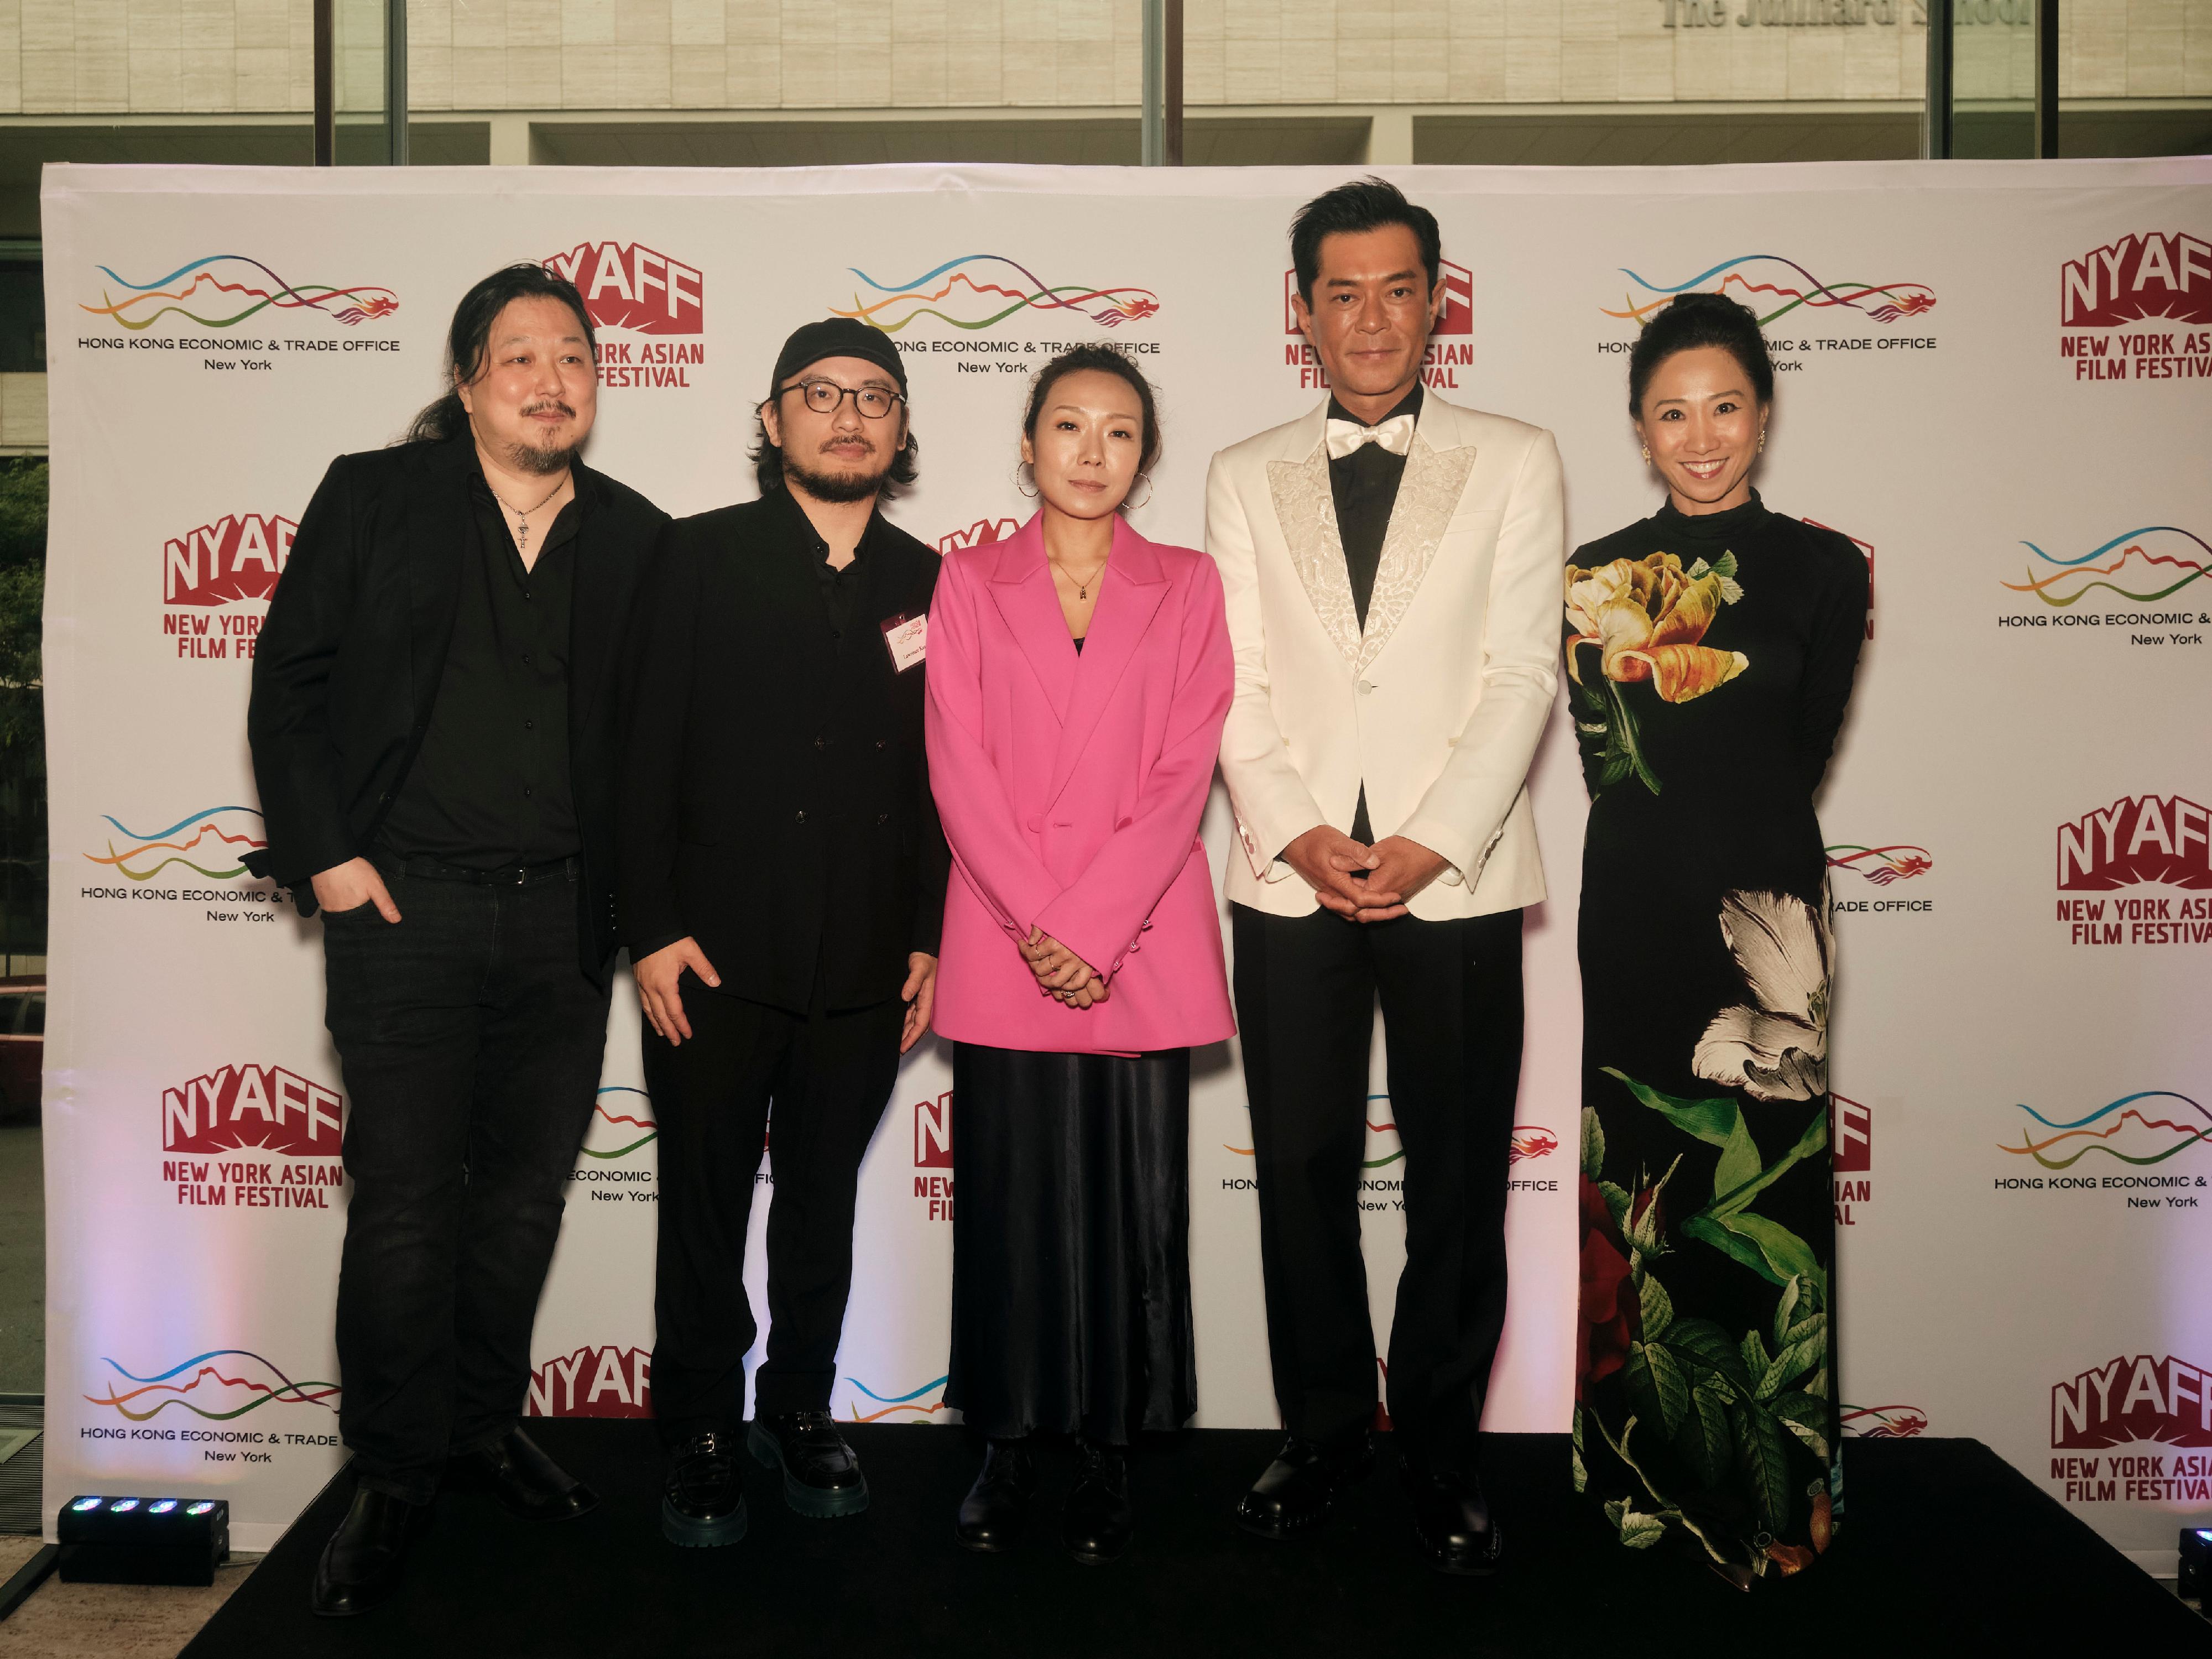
1710	660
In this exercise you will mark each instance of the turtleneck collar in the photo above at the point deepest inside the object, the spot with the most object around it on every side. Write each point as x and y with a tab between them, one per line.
1710	526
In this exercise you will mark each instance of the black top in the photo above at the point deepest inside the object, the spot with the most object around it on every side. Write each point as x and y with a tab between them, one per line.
838	586
1711	737
776	801
1364	487
348	666
490	788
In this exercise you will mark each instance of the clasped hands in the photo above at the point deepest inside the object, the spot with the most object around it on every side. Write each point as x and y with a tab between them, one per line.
1361	882
1059	972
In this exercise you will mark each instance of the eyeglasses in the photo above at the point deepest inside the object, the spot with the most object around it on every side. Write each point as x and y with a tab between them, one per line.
823	397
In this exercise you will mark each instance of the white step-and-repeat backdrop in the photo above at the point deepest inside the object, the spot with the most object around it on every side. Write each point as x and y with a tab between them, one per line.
1996	379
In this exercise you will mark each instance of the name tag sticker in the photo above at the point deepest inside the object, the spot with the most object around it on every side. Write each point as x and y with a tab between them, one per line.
908	638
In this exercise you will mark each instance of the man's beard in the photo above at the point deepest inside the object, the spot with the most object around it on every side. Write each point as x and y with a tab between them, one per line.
837	487
528	458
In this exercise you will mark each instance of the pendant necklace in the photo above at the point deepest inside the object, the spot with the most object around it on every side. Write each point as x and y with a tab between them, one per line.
1083	587
522	513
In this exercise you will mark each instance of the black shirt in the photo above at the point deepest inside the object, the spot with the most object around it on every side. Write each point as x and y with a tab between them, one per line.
838	586
1364	487
490	787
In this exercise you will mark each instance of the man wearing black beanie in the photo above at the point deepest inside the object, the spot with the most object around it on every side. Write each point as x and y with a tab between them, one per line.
779	883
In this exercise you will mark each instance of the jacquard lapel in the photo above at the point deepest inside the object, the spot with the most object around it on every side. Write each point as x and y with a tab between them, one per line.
1305	508
1433	481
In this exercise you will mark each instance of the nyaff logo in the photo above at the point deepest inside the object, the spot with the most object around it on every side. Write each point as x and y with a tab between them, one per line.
210	576
2159	1400
626	285
932	1150
604	1382
2163	839
253	1108
2146	276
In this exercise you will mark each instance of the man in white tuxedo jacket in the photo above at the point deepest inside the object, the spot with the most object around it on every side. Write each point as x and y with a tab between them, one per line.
1392	563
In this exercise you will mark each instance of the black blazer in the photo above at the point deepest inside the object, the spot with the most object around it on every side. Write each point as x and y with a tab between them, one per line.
350	657
776	801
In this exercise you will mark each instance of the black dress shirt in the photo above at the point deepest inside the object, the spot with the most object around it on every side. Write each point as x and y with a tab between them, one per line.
490	788
838	586
1364	487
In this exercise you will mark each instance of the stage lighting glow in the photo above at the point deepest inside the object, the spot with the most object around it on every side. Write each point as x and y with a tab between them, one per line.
123	1505
161	1508
84	1503
142	1540
200	1508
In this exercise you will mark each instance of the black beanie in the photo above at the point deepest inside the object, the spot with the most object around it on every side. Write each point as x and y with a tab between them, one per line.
836	336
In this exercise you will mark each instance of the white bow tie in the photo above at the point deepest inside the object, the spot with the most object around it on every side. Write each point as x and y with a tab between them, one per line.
1395	435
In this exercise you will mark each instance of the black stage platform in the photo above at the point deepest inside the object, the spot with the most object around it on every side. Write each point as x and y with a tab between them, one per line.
1949	1552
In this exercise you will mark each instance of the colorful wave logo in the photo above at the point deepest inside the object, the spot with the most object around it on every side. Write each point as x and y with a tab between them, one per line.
619	1125
892	1404
2137	574
1385	1128
1882	865
237	300
1883	1422
976	302
2119	1130
226	1397
1529	1141
208	849
1788	286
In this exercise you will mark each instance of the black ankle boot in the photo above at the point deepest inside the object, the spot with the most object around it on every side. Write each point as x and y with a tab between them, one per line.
997	1507
1096	1524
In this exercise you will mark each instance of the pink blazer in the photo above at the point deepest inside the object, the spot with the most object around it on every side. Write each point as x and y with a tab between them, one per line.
1071	787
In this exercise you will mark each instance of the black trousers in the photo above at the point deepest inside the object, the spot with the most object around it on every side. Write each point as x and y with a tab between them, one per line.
1306	989
828	1076
471	1042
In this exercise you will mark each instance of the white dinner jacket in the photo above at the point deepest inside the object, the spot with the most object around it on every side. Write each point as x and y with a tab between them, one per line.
1437	705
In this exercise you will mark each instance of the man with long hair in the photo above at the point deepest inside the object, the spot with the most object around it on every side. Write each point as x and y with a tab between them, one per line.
435	726
1392	565
781	885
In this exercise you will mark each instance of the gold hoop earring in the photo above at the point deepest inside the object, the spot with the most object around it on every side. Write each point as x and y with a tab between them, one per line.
1018	491
1128	506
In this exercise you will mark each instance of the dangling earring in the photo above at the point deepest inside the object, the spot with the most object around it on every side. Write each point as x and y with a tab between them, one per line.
1128	506
1647	455
1032	493
1762	440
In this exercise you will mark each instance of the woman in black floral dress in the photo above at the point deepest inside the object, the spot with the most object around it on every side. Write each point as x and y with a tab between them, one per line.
1711	648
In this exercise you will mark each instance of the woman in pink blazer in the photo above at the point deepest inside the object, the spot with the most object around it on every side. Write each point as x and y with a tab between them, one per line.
1079	678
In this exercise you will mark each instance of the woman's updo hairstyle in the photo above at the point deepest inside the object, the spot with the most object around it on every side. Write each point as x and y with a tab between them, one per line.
1689	321
1106	361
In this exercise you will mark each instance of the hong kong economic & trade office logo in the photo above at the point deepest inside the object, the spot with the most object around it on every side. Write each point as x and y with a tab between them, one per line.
2132	1151
180	863
2147	588
1808	317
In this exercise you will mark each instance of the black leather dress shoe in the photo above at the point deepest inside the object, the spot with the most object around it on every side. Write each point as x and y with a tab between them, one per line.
1098	1520
997	1507
1296	1493
527	1483
1451	1520
702	1504
821	1476
360	1566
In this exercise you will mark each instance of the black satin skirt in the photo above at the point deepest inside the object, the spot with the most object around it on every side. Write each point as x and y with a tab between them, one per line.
1071	1243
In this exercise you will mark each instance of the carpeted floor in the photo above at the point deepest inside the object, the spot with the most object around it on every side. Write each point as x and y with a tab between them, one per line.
1949	1552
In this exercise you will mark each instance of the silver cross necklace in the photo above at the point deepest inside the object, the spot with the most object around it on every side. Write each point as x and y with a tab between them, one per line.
522	513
